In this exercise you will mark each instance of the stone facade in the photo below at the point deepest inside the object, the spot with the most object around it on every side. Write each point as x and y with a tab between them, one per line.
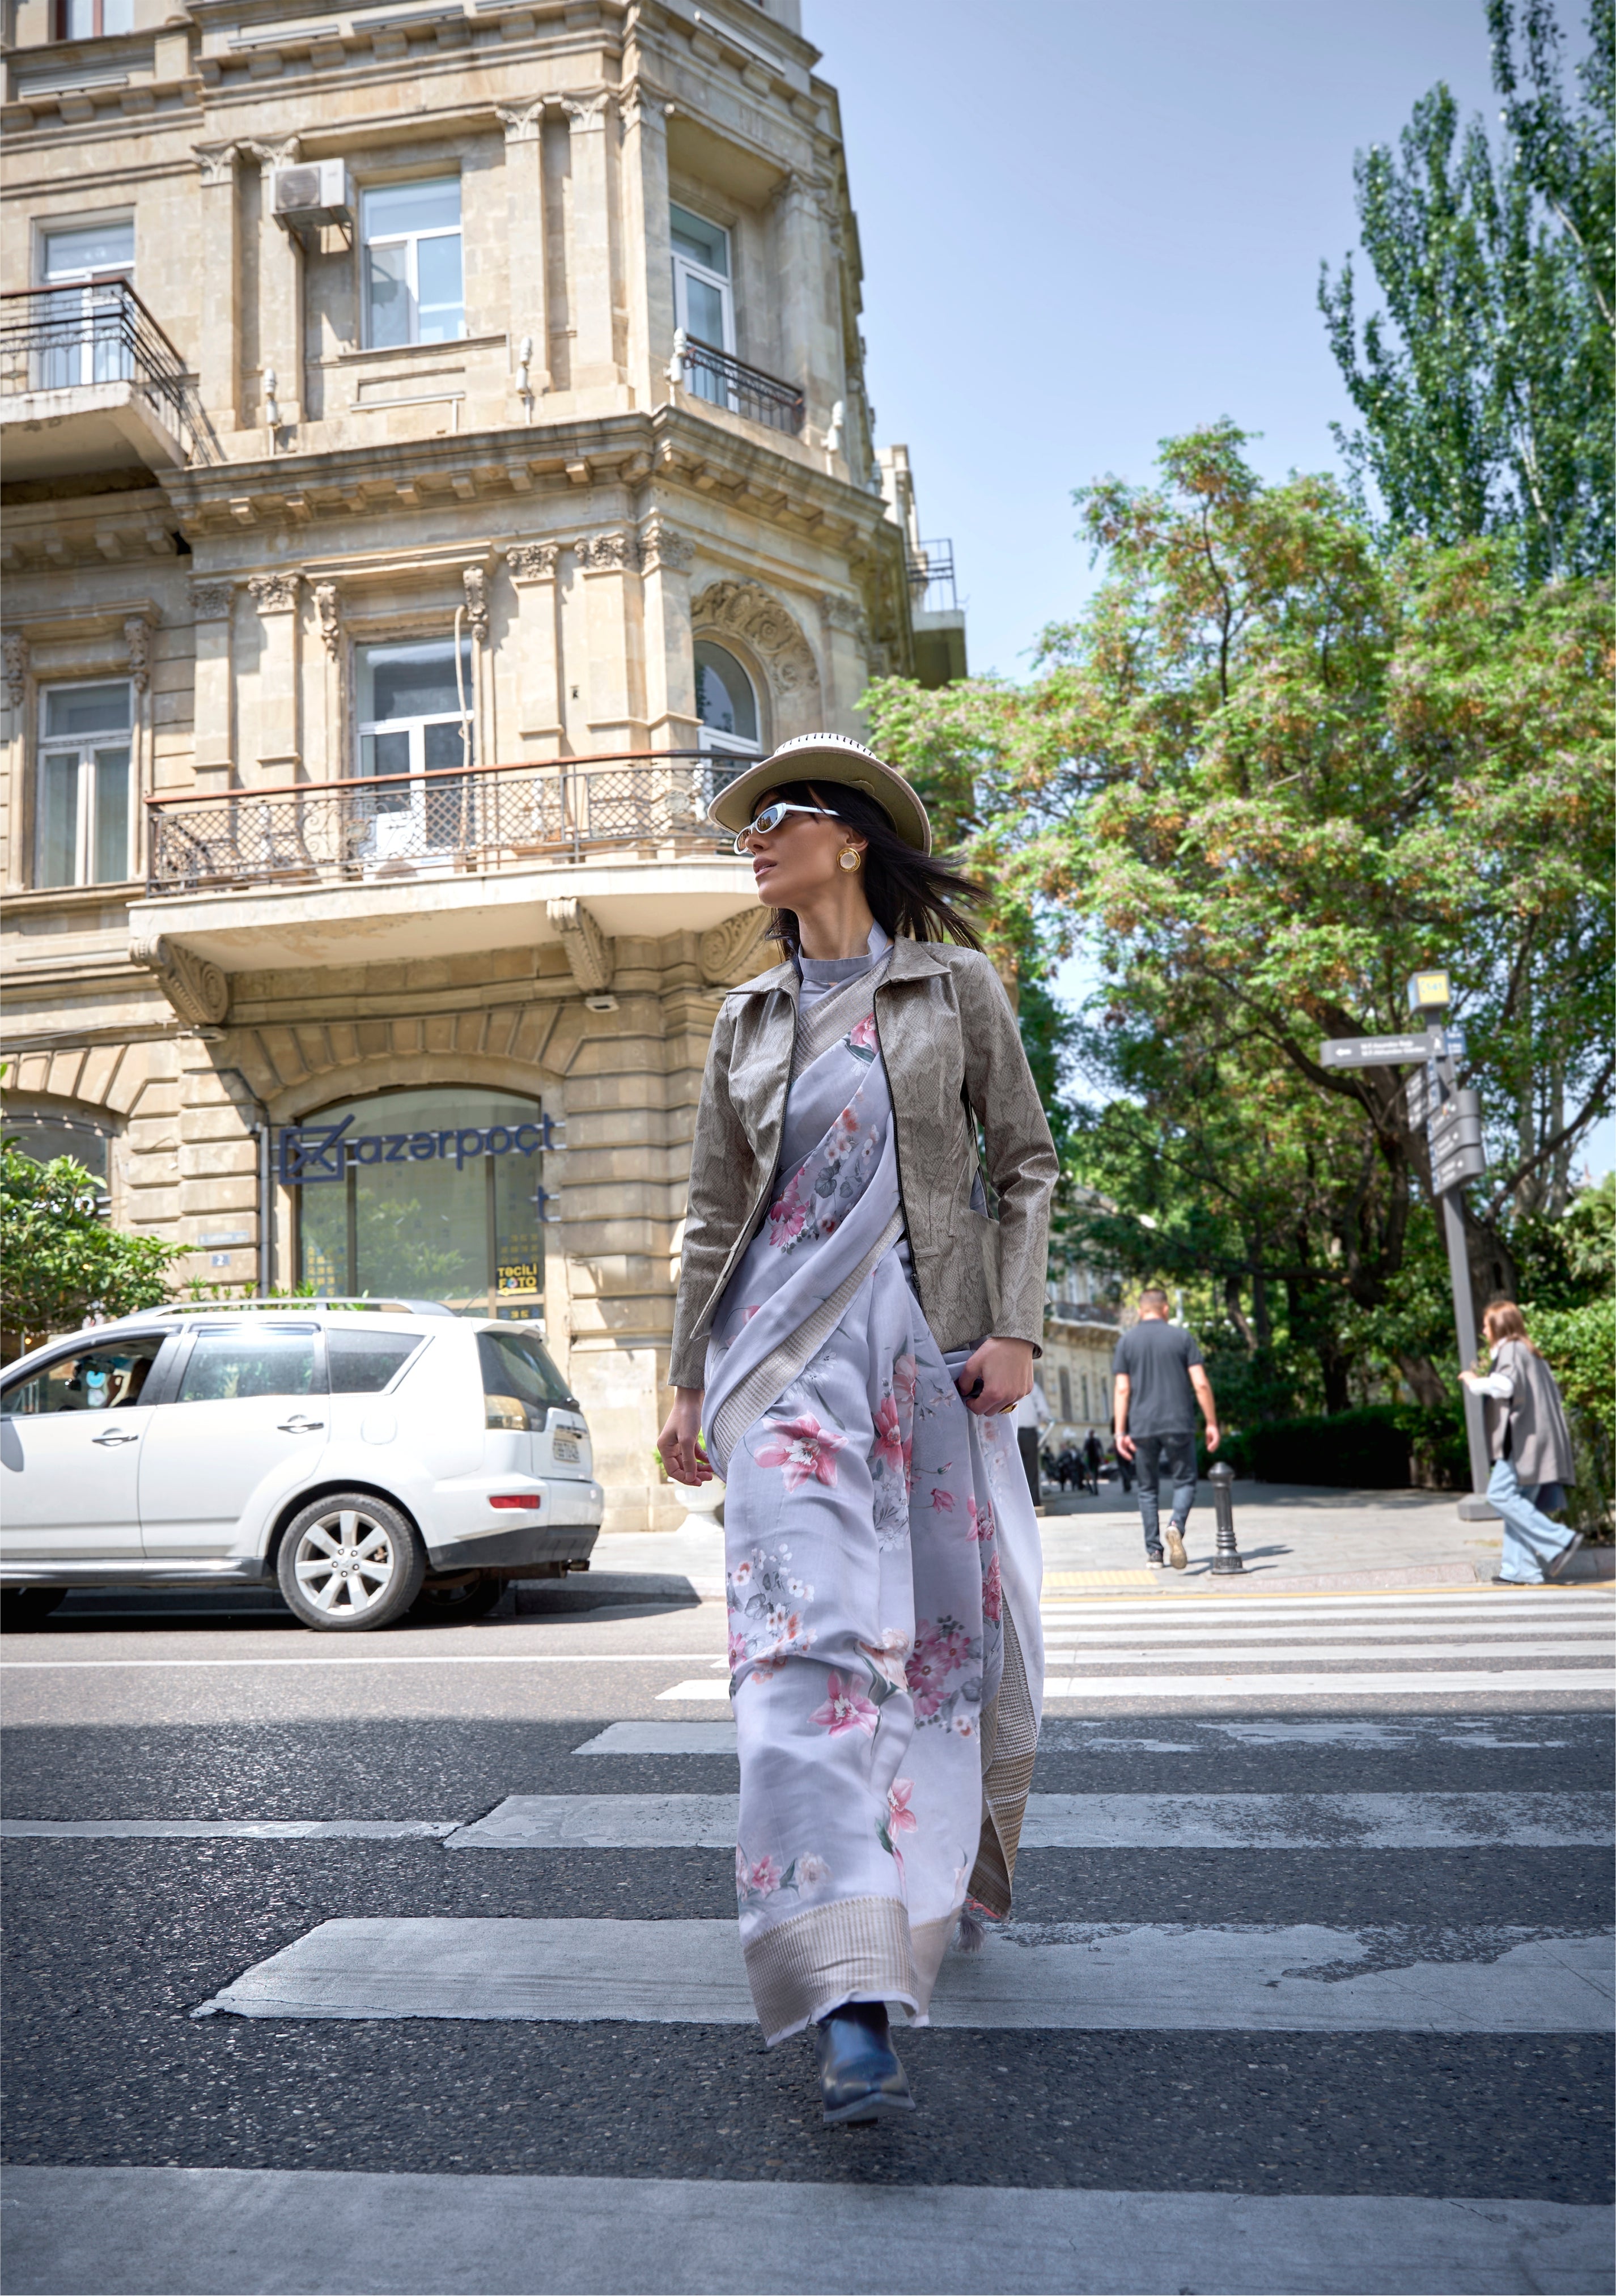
223	513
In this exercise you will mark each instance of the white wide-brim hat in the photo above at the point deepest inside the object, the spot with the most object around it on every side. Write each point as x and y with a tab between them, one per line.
825	757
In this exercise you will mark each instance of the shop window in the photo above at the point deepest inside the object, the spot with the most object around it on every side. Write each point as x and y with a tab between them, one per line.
727	702
93	20
436	1194
414	291
415	724
82	808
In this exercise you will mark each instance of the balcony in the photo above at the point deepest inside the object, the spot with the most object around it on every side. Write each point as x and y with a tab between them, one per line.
740	390
936	615
88	381
440	863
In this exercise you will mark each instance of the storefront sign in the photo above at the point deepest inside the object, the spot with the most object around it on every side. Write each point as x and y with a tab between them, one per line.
310	1153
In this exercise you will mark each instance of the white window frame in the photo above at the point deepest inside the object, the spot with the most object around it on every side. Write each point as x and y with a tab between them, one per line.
409	840
102	356
410	241
730	745
86	747
685	268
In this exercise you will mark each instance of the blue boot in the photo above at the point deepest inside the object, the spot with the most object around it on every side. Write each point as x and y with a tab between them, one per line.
860	2077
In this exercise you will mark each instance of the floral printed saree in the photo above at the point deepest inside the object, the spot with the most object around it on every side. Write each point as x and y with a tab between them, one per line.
882	1564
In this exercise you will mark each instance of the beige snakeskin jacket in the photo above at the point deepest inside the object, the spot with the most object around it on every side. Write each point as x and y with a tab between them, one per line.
950	1044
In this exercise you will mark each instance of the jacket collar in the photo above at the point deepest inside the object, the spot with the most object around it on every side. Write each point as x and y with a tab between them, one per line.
912	960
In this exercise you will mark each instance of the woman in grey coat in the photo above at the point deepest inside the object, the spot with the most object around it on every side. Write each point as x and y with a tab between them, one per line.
1530	1449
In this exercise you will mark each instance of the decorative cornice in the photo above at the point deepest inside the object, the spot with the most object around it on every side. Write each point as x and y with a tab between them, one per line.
198	991
137	636
13	647
728	951
532	561
589	952
275	593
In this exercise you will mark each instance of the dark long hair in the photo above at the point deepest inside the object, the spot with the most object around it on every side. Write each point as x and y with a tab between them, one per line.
908	891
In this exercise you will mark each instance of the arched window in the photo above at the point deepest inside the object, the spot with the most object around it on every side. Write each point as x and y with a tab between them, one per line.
726	702
46	1133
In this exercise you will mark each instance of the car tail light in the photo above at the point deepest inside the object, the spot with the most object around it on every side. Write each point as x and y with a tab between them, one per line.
531	1500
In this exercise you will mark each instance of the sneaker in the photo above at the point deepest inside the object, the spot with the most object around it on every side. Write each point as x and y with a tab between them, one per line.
1553	1569
1153	1560
1176	1555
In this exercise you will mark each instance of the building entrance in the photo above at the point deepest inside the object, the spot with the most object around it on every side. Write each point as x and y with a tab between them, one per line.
428	1194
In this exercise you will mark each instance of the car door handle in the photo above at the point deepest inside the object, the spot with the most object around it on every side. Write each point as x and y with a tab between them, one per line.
297	1425
117	1435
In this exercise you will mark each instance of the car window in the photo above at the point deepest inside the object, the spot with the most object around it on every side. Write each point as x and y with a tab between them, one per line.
362	1362
232	1365
93	1379
519	1381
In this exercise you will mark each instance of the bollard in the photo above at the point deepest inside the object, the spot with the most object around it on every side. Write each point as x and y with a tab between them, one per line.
1227	1557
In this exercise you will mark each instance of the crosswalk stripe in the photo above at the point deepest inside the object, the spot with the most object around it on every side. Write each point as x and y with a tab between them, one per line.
1543	1602
717	1739
193	2232
1066	1976
227	1829
1182	1634
1276	1684
1359	1647
1097	1821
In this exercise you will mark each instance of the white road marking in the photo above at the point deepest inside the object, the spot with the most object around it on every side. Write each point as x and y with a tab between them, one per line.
662	1738
1279	1685
1183	1631
1098	1821
1171	1649
366	1658
245	2232
228	1829
1070	1977
1554	1601
717	1739
711	1691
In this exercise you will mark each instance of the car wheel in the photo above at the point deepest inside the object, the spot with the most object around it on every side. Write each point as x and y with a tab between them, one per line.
21	1607
451	1606
350	1563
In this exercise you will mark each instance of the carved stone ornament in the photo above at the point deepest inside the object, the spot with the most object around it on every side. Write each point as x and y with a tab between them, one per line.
663	548
523	123
752	613
477	603
217	162
210	601
271	156
275	593
198	990
731	952
532	561
587	113
328	606
599	553
589	949
137	637
14	648
846	614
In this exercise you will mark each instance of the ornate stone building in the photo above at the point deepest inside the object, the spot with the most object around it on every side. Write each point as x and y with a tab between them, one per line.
436	447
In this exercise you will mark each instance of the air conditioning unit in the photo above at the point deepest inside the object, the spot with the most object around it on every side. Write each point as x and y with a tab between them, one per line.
321	191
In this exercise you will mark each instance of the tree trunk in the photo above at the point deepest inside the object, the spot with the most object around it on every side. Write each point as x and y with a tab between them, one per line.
1425	1380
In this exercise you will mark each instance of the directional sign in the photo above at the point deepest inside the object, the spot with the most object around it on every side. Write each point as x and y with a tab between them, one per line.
1380	1052
1458	1165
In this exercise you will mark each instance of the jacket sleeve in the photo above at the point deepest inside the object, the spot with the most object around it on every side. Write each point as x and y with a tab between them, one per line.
719	1151
1021	1161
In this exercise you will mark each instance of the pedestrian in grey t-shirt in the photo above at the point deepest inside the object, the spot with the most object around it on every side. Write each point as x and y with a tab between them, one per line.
1160	1379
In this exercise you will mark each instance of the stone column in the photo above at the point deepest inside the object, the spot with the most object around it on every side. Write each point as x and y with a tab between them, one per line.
537	647
218	257
595	365
137	636
16	658
799	291
277	597
608	564
213	713
280	295
666	558
528	241
332	749
646	238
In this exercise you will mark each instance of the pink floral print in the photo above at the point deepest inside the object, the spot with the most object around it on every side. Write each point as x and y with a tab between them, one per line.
981	1519
861	1039
804	1450
993	1593
765	1877
845	1708
767	1615
944	1672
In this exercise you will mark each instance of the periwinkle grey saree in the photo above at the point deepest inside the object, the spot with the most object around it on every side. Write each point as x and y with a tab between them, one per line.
883	1561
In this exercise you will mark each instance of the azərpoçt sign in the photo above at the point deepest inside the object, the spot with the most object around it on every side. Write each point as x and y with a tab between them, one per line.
310	1153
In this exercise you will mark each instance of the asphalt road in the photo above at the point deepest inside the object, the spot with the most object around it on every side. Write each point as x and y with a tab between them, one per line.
110	1944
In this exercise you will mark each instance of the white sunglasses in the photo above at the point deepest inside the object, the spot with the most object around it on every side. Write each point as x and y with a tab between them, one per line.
771	818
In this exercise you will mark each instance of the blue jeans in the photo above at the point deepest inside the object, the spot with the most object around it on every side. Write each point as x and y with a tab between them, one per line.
1530	1539
1154	1455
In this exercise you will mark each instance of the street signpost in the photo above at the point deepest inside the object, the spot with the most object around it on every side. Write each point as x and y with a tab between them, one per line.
1452	1118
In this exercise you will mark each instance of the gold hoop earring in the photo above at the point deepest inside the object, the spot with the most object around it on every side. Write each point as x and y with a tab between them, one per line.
849	858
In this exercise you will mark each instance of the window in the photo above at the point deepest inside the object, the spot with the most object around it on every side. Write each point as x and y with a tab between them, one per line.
414	719
236	1365
725	703
46	1134
1065	1393
83	813
88	337
363	1363
93	20
413	290
519	1381
98	1380
703	304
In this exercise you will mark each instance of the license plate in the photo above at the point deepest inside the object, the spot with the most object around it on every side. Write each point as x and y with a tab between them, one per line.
563	1450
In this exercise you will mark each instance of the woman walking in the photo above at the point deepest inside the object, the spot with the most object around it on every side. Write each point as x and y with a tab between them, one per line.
852	1328
1530	1449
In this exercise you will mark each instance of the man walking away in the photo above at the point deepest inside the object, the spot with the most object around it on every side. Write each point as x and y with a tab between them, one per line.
1160	1379
1092	1456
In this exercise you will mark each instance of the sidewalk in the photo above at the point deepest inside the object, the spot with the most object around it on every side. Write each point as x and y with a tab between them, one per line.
1293	1538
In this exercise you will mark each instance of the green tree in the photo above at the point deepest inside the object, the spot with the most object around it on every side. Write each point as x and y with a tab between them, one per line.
59	1259
1485	385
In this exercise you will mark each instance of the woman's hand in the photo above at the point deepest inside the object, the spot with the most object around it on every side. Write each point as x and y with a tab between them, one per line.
677	1441
1003	1368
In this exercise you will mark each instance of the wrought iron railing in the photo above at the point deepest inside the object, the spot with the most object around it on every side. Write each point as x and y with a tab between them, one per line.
932	579
98	331
725	382
489	817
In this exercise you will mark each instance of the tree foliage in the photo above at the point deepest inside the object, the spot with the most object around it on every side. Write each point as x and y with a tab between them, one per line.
1484	386
59	1259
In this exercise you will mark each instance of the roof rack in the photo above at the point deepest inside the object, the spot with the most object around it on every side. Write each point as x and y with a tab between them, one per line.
375	1307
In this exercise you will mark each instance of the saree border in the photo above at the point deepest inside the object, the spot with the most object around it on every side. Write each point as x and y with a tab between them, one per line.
857	1949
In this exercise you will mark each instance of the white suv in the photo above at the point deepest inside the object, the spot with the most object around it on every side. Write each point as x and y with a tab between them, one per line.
372	1455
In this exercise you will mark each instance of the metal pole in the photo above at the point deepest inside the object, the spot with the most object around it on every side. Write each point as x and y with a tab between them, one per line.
266	1215
1227	1557
1464	1327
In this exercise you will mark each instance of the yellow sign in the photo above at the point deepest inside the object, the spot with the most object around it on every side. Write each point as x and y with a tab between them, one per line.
518	1276
1429	992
